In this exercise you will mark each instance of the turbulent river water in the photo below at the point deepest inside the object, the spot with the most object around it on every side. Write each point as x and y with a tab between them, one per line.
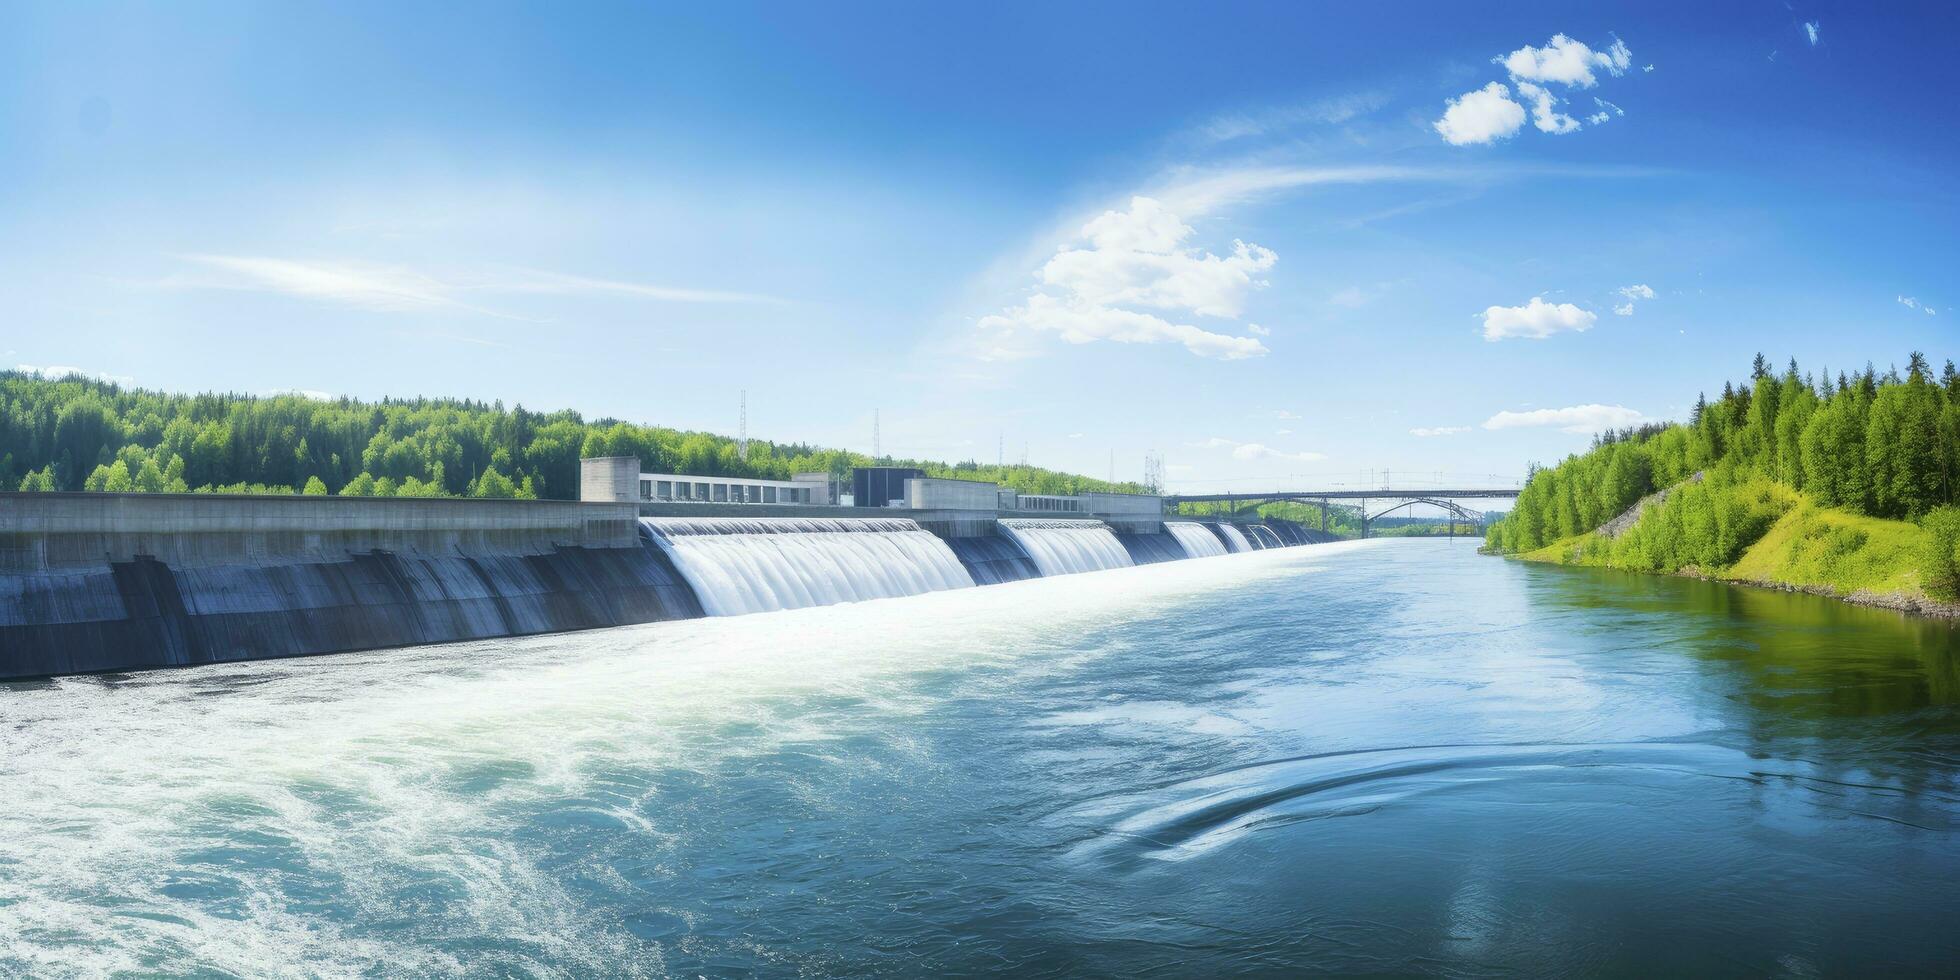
1391	757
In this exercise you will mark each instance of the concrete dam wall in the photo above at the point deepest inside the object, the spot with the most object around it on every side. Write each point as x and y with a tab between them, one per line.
110	582
94	582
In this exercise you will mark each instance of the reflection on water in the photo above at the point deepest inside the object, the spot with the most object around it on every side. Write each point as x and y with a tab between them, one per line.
1390	757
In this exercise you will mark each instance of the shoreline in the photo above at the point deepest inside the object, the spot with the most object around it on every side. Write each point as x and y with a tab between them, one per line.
1922	606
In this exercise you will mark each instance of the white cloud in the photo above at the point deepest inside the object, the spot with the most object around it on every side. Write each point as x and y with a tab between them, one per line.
1481	116
1810	31
1252	452
1579	419
1908	302
1624	309
1566	62
1439	430
1487	114
55	372
1535	320
1544	111
393	288
1137	258
1257	330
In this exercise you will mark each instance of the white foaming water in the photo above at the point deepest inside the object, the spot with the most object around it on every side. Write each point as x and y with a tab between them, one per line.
1066	547
1267	537
1196	541
379	813
1234	538
748	565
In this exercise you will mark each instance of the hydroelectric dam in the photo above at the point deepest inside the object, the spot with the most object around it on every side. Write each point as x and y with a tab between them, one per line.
96	582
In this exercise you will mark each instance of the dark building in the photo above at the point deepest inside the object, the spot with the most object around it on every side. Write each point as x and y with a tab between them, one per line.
879	486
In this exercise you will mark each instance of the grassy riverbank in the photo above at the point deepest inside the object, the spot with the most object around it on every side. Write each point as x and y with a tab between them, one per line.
1809	548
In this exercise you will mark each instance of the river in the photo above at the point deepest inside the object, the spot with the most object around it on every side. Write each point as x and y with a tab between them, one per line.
1392	757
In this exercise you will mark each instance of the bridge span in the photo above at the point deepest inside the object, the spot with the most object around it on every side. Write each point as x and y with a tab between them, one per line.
1442	498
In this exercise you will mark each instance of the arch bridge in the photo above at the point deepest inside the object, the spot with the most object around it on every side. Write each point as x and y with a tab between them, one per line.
1446	500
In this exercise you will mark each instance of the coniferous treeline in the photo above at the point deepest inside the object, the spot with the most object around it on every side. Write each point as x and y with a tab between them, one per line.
76	434
1885	445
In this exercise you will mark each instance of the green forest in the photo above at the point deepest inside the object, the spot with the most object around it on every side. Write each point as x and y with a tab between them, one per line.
1854	462
69	434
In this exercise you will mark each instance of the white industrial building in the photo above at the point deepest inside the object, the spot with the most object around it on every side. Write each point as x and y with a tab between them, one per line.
619	479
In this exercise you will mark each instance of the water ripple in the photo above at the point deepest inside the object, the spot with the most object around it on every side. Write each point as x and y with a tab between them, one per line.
1191	817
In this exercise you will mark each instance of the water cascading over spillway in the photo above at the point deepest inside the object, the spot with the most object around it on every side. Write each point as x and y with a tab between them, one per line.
1066	547
993	559
1197	542
746	565
1234	539
1265	536
1150	548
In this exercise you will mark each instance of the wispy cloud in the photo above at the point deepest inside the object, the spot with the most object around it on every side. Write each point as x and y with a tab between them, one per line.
398	288
1640	291
1535	320
1810	32
316	395
57	371
1913	304
1253	452
1578	419
1439	430
534	281
1126	263
1266	121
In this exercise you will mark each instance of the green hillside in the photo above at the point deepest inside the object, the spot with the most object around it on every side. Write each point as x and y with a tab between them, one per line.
1844	485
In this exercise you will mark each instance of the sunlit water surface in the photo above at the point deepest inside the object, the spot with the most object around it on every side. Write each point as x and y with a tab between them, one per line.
1390	757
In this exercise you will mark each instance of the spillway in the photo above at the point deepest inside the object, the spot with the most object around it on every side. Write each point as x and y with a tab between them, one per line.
993	559
1149	549
1197	542
1066	547
1234	539
1264	536
747	565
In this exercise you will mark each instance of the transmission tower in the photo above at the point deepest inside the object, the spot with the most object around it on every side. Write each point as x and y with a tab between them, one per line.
742	439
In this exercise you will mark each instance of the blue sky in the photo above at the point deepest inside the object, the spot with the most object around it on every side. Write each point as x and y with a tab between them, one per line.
1273	243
